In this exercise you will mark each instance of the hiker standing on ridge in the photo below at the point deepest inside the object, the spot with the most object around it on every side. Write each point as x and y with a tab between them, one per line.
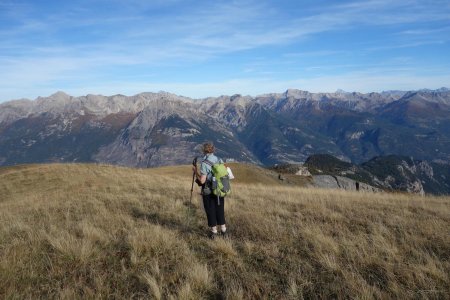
215	210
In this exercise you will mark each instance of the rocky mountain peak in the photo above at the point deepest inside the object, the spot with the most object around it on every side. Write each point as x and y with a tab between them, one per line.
60	95
235	96
443	90
297	94
340	91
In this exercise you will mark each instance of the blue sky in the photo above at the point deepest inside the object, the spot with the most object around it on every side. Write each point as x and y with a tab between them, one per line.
209	48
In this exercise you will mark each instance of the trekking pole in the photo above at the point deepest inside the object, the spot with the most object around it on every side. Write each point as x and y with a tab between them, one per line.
194	162
192	187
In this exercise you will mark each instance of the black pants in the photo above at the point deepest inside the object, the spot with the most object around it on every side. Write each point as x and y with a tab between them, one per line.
215	212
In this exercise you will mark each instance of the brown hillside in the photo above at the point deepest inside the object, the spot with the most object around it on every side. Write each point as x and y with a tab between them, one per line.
244	173
96	231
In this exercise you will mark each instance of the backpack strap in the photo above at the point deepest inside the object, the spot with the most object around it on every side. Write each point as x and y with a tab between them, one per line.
208	162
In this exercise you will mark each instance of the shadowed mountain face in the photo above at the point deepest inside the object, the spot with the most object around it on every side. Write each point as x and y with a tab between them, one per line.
390	172
153	129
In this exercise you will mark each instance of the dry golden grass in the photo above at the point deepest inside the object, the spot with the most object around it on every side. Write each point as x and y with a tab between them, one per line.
244	173
95	231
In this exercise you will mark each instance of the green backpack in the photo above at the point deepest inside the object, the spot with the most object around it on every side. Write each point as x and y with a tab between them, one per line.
220	184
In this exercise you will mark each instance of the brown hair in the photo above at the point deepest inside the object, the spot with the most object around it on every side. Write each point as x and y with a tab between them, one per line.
208	147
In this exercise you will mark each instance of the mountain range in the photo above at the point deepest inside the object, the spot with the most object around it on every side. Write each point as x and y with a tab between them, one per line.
154	129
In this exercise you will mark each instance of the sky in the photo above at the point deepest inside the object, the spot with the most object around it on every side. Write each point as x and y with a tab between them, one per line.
210	48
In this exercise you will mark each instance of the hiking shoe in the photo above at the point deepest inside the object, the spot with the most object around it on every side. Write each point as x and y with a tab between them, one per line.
213	235
224	234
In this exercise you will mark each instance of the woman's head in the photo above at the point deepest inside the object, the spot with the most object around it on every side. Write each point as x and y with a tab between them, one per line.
208	147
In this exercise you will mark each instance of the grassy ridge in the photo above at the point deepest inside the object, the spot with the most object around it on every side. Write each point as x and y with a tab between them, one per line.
72	231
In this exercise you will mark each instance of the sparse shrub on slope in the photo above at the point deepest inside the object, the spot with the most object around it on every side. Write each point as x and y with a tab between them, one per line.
325	163
93	231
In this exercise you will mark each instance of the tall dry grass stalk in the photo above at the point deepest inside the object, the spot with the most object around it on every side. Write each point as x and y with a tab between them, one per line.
96	231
